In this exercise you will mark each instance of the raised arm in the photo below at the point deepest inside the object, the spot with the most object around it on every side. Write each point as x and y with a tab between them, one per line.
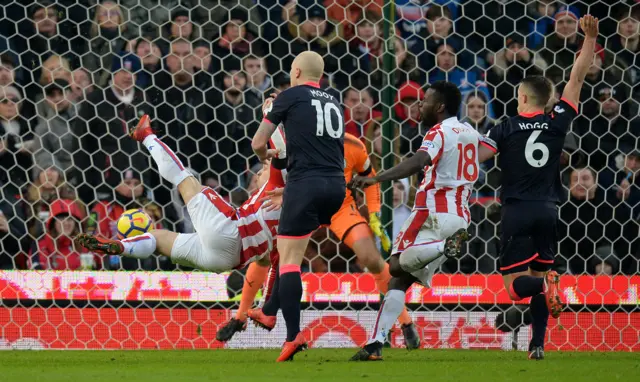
571	93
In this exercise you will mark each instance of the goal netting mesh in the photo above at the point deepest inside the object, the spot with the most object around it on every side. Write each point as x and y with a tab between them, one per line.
202	68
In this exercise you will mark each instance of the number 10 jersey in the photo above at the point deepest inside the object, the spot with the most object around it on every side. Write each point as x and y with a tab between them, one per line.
530	147
314	131
448	182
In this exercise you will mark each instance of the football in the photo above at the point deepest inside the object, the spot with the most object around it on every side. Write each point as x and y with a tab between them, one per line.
133	223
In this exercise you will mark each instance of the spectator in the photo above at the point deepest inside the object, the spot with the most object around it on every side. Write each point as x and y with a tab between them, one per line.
407	107
448	70
511	65
203	61
366	52
407	69
147	15
281	82
561	47
102	128
217	11
401	210
82	85
185	109
359	114
309	29
54	141
474	112
56	250
587	220
259	81
595	77
541	14
604	262
236	42
107	41
13	230
180	26
625	46
239	112
347	13
439	32
14	160
149	54
601	138
622	182
7	70
373	140
42	38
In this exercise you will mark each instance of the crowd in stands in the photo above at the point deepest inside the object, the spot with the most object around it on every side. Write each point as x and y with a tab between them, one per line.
75	74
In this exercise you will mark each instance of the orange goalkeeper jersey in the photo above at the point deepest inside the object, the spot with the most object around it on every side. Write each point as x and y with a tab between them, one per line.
356	160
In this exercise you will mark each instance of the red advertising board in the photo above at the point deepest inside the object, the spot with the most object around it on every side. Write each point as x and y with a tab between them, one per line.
318	287
179	328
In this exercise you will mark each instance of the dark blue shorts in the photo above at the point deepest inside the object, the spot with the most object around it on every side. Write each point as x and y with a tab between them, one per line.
529	236
309	203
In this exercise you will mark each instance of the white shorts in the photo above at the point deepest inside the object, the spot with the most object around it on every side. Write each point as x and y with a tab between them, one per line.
423	228
216	245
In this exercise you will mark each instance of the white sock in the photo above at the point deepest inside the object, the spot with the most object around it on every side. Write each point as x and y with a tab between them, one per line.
387	316
169	165
419	256
139	247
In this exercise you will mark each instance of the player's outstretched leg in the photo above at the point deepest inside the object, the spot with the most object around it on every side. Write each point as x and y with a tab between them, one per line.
359	239
169	165
253	280
139	247
390	309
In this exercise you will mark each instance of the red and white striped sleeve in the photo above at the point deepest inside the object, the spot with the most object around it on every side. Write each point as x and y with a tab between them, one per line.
433	143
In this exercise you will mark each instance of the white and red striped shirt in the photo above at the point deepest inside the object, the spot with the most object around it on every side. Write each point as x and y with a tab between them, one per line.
258	228
447	184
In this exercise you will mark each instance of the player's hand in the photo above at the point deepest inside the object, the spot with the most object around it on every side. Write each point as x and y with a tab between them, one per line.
268	104
270	154
589	26
273	200
362	182
376	227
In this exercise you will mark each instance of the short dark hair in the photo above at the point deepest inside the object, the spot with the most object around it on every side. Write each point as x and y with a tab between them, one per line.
540	87
7	60
449	94
436	11
622	11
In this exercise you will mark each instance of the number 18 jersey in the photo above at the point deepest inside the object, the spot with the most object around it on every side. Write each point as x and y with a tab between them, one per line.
530	147
448	182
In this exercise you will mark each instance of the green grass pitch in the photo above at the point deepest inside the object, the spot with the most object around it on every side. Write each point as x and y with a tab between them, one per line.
313	365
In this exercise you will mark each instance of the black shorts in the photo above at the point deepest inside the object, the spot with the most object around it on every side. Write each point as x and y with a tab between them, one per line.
529	236
310	203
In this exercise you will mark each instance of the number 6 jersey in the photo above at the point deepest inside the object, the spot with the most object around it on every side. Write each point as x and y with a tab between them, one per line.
314	130
447	184
530	147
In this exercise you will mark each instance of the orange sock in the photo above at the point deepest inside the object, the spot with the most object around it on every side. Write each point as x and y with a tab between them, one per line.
382	281
256	274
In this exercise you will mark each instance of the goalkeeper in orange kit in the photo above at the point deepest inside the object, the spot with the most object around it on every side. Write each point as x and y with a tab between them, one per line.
352	229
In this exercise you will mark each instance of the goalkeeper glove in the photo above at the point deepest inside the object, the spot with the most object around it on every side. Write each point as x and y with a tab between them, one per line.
376	227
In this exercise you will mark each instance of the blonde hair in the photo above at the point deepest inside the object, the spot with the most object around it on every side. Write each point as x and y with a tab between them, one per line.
95	25
48	75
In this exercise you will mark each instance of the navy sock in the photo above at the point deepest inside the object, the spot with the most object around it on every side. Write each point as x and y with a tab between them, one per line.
272	305
290	291
527	286
540	314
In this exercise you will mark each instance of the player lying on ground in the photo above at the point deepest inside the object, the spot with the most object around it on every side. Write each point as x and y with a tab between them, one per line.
225	238
530	147
352	229
436	228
